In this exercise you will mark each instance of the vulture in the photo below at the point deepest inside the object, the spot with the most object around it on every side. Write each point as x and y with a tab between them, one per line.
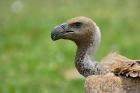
113	74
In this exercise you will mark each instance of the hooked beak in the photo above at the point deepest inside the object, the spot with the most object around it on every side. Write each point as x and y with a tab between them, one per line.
60	31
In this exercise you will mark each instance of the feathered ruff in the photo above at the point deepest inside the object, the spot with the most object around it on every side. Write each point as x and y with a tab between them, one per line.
120	65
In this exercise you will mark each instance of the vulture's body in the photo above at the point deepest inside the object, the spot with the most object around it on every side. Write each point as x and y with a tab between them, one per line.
114	74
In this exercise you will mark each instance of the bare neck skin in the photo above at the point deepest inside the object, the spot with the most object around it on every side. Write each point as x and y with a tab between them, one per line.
85	56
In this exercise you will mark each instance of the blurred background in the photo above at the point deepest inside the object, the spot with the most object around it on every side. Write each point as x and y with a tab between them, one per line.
30	62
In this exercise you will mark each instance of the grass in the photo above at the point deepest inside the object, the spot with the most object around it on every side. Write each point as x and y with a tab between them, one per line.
30	62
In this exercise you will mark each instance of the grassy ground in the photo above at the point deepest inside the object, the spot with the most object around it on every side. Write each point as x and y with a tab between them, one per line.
30	62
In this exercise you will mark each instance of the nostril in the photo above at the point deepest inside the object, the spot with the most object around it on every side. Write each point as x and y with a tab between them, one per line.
63	26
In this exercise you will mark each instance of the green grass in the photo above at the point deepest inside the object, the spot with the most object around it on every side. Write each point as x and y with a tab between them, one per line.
30	62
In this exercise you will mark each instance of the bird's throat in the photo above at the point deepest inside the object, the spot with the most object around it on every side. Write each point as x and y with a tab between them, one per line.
84	62
85	56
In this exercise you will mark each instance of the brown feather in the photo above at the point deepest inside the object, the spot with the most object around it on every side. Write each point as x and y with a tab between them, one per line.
121	65
110	83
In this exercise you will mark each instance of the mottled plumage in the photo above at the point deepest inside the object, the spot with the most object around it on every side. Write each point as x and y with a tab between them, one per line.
114	74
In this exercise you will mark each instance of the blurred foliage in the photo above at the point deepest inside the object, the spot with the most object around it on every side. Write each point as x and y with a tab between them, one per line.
30	62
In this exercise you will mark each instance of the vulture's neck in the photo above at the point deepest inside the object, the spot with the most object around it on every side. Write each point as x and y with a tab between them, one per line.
85	56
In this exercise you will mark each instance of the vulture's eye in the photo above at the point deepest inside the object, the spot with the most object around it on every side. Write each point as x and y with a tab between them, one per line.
77	25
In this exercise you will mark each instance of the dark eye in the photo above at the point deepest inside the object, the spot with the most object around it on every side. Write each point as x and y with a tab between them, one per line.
77	25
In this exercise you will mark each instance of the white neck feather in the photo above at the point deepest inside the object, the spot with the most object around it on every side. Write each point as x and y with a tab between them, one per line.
95	44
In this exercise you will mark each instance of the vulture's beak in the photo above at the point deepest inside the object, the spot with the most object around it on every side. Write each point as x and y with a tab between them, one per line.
60	31
57	32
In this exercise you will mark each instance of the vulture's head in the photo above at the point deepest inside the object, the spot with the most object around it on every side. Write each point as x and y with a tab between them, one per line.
79	29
